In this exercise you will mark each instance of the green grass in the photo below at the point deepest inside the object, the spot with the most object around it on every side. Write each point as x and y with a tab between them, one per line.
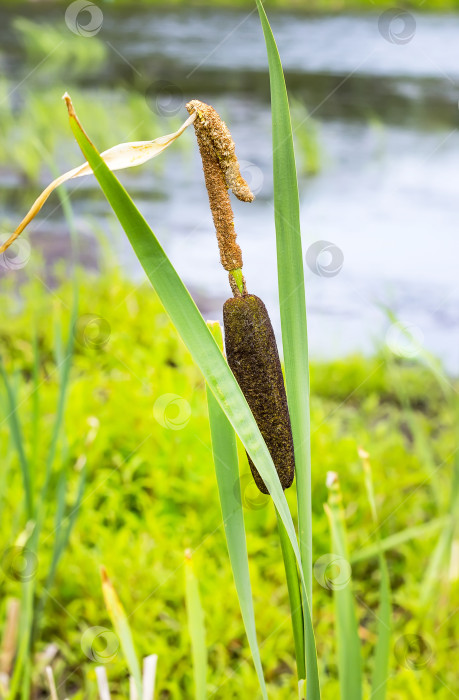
151	493
298	5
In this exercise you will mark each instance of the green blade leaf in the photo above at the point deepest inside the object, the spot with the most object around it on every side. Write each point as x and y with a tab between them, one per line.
292	304
382	651
16	434
294	594
442	553
191	326
121	624
292	300
224	450
347	637
196	629
393	541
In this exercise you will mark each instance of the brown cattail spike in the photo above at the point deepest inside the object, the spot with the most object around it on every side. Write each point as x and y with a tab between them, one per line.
218	136
221	172
251	352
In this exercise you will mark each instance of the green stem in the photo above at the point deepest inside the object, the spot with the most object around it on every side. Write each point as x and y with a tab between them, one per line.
239	279
294	595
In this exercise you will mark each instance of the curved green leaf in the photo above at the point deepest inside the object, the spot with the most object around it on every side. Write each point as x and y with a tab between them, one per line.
224	449
204	350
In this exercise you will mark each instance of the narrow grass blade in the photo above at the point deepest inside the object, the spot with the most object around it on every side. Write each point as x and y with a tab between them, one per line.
443	550
102	683
149	676
292	304
224	450
27	679
64	357
292	300
347	638
35	430
294	594
196	629
64	526
51	683
10	636
25	633
382	652
438	565
16	433
133	693
121	624
205	352
393	541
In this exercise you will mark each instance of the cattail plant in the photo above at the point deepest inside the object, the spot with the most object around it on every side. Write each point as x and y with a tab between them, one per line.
264	431
250	344
246	394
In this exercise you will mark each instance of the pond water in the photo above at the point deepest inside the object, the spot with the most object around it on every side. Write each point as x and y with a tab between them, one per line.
383	94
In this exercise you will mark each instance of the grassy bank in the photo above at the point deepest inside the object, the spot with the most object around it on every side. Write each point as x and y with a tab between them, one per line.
296	5
315	5
150	493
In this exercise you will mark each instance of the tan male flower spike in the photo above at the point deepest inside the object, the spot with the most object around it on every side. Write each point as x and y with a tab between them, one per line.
221	173
213	131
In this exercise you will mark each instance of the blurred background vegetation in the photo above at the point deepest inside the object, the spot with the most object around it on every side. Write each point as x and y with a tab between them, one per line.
138	493
298	5
151	493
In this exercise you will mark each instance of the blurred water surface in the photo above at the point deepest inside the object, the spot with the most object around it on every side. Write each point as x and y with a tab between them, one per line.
385	199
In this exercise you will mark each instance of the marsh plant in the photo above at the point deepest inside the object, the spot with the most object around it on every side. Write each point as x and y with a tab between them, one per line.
247	396
247	399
